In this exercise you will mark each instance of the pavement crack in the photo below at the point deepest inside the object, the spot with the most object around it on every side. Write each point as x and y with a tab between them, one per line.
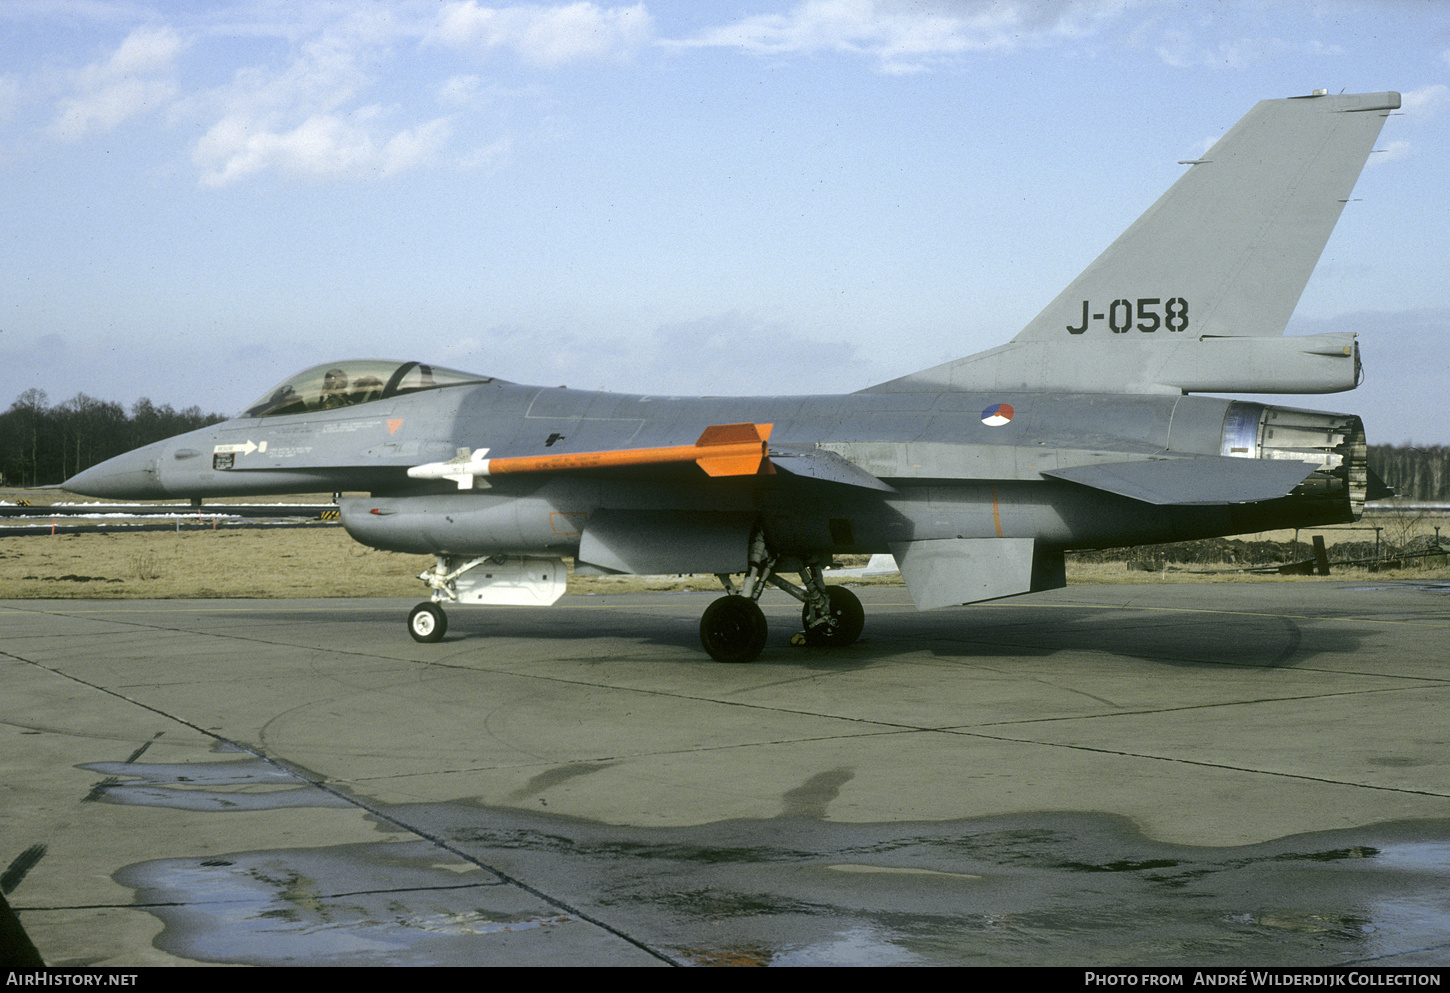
1124	753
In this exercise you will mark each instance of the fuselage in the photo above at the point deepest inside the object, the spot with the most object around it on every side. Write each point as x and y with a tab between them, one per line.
950	464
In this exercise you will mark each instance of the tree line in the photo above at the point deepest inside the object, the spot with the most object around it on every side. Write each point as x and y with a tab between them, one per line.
1415	472
42	443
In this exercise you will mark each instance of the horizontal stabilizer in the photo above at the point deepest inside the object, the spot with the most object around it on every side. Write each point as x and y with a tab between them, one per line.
721	450
1377	488
1204	480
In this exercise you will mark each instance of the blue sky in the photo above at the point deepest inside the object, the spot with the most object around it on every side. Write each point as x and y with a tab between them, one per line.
746	197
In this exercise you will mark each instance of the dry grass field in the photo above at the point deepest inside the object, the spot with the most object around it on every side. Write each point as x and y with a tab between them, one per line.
322	561
238	562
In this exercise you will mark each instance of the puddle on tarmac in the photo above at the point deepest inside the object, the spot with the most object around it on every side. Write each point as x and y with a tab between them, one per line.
383	904
237	784
1049	889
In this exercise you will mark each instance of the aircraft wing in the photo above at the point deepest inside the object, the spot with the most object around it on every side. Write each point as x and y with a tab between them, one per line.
1204	480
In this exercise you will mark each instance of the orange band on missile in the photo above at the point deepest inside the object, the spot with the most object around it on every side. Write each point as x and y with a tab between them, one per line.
722	450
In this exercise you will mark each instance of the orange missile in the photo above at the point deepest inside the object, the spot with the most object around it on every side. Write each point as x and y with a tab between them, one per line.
721	450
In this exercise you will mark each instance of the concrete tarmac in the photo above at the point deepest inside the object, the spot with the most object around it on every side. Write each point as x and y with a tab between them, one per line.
1216	774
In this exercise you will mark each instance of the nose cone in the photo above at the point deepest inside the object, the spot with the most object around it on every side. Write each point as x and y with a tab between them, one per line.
132	476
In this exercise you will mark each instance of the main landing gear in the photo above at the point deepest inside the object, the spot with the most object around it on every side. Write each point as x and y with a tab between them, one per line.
733	628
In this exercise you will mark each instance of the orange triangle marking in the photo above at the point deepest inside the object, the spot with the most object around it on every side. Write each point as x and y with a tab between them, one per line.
393	424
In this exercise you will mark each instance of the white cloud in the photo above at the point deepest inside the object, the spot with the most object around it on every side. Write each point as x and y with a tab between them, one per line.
145	50
299	119
459	91
1183	49
488	156
1417	105
308	104
325	73
322	146
546	36
911	36
412	147
134	80
106	108
1424	102
1392	151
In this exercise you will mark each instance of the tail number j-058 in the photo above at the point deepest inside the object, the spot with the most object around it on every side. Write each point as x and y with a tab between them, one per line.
1145	314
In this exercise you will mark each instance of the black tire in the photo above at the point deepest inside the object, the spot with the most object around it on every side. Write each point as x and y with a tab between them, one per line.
427	622
849	615
733	629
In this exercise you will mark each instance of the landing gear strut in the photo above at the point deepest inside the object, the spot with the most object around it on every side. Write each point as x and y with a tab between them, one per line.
842	623
733	629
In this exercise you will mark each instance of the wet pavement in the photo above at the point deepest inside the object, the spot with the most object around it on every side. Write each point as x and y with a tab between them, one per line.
1164	775
1059	890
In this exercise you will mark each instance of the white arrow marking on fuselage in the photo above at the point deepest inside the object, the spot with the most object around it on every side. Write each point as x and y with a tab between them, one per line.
246	449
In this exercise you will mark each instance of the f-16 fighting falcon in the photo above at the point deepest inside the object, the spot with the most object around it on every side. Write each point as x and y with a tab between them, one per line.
1083	431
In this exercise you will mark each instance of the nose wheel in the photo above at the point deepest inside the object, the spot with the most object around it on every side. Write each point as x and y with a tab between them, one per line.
427	622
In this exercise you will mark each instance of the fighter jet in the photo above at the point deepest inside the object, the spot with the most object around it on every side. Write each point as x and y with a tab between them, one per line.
1083	431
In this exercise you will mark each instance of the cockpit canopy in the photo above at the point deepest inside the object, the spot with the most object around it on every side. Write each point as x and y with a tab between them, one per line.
343	384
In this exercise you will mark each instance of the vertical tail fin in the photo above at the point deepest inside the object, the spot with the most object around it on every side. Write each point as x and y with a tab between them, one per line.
1228	249
1195	295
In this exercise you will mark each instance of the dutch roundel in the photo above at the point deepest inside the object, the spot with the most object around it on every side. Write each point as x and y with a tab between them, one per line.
997	414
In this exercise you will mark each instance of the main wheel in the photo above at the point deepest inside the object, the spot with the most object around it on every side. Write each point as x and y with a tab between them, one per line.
427	622
846	611
733	629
